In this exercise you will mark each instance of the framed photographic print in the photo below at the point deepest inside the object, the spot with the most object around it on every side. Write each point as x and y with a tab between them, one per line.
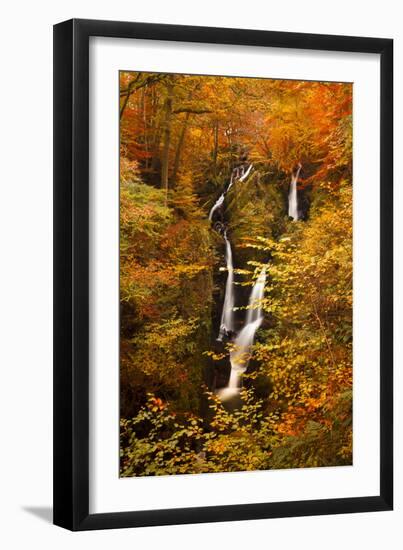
223	322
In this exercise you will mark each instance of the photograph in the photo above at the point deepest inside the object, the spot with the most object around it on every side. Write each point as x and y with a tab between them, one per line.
200	283
235	273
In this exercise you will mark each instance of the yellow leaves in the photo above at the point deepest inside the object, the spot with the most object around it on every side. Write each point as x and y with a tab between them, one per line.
156	404
219	446
346	450
312	403
215	356
302	354
189	269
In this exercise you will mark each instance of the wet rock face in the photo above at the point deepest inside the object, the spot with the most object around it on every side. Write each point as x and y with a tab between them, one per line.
241	337
248	206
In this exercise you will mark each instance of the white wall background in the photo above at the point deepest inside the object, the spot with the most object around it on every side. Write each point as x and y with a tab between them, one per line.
26	279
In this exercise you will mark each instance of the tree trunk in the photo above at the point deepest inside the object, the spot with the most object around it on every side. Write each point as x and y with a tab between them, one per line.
123	107
155	138
129	91
155	156
179	147
145	127
166	139
215	149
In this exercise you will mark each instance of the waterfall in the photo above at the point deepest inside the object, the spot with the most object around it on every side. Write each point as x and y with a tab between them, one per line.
218	203
292	196
239	356
234	176
227	316
231	181
246	174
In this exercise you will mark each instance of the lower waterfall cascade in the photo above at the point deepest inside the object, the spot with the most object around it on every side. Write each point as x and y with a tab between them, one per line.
243	341
239	356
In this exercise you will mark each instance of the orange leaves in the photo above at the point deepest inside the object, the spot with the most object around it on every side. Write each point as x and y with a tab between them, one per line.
156	404
292	422
280	121
301	367
304	119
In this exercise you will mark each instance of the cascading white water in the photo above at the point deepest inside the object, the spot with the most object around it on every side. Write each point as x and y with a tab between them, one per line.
217	204
246	174
239	356
221	198
231	181
292	196
227	316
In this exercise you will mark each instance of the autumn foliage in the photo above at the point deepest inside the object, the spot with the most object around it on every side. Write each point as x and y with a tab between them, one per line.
180	138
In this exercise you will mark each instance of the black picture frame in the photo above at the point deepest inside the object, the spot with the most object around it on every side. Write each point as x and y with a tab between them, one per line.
71	274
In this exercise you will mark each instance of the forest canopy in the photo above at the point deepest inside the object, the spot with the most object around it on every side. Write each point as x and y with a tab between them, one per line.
233	188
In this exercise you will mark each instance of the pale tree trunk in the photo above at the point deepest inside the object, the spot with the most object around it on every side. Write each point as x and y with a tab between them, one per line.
145	124
166	139
155	152
156	134
215	150
179	147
